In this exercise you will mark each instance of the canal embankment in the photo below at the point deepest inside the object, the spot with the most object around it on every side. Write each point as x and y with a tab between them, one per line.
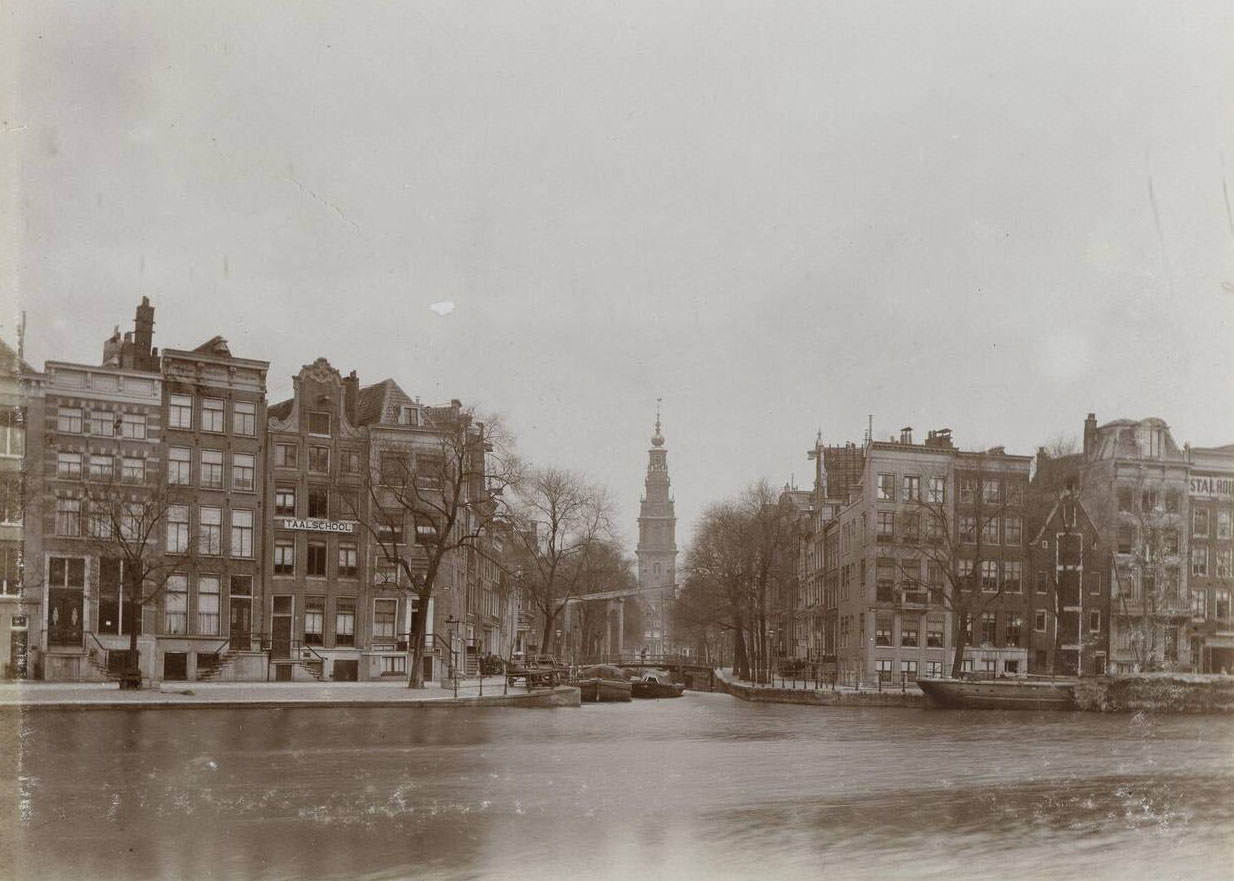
260	695
1156	693
904	696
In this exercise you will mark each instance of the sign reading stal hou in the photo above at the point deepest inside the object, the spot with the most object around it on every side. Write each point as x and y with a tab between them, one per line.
313	525
1211	485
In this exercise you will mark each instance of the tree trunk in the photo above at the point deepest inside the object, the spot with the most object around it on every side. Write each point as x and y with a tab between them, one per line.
961	636
415	676
131	677
741	661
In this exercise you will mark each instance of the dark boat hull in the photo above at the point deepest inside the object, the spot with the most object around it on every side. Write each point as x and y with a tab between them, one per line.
600	690
998	694
656	689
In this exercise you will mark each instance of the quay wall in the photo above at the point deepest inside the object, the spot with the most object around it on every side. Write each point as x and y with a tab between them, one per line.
817	697
1156	693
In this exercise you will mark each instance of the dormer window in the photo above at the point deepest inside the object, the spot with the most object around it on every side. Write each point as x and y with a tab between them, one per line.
408	415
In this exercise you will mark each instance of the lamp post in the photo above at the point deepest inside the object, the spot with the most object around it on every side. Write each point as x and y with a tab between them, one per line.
453	622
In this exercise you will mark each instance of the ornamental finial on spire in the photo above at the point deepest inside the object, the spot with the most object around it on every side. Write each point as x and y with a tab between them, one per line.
657	439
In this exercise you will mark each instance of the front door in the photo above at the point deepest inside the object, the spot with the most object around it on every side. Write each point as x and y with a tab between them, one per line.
241	623
64	614
280	627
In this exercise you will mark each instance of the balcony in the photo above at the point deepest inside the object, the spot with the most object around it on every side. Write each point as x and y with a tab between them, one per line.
914	599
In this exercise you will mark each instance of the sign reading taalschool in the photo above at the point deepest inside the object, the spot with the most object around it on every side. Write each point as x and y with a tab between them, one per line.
346	527
1211	485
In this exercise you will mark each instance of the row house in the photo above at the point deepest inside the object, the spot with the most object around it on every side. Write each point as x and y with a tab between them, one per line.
214	410
322	612
1210	497
15	610
922	519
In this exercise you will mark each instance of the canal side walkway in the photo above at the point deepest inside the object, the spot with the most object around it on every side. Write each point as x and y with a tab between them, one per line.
799	692
287	695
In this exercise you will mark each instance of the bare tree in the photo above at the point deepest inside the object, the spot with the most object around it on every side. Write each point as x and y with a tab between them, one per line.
956	549
138	527
433	499
561	525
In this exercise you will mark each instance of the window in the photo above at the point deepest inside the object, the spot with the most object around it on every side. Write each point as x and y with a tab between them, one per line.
1223	562
1199	561
1171	501
286	455
935	669
991	491
212	469
886	488
386	571
934	633
1223	523
1039	621
1013	531
989	530
349	461
1094	621
133	425
390	528
179	466
393	665
132	470
102	423
208	605
319	503
314	619
345	621
1015	492
886	525
968	490
210	533
912	488
912	526
934	527
1199	604
1221	603
964	570
1148	500
212	418
177	529
429	471
1013	572
346	561
884	580
1169	540
394	469
938	490
1124	498
882	666
968	528
910	631
1199	522
319	460
284	558
69	420
1126	539
243	418
908	670
242	471
317	559
180	411
68	466
242	533
989	628
11	510
1014	625
98	520
383	618
882	630
319	423
989	575
176	605
68	517
119	595
285	502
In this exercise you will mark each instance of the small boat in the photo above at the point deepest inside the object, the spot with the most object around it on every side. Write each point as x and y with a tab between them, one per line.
603	683
999	694
655	683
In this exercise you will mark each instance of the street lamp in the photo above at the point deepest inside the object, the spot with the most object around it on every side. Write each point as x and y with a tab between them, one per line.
453	622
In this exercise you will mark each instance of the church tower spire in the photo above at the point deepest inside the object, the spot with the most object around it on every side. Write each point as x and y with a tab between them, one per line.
657	545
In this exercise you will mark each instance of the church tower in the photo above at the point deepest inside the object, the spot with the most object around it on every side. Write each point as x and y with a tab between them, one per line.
657	547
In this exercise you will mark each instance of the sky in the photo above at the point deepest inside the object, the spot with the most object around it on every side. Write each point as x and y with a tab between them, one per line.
780	218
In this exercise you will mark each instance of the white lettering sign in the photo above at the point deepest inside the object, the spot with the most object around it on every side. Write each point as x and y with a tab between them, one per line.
346	527
1212	486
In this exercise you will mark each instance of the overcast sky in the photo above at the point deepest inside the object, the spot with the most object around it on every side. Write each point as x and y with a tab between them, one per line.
779	217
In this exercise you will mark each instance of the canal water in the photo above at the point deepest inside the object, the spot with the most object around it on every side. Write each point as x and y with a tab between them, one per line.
705	787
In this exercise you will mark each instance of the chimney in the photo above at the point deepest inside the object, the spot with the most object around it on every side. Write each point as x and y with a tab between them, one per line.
143	334
1090	435
906	435
351	398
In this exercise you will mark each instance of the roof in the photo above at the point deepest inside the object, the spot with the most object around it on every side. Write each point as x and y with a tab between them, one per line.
379	403
281	410
9	362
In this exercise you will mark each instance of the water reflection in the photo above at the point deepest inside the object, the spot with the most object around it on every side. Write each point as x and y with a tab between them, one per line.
705	787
